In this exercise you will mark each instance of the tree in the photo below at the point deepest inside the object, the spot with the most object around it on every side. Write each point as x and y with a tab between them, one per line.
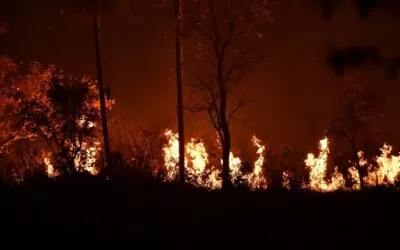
179	65
53	113
356	128
223	26
291	162
95	8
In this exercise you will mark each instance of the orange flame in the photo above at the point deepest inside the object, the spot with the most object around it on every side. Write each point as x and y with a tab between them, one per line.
318	166
197	167
256	179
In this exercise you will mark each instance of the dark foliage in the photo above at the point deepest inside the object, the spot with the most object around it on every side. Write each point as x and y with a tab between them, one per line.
364	7
341	59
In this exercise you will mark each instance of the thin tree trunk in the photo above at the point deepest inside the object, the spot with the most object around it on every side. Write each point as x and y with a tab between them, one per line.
179	73
226	142
99	69
226	149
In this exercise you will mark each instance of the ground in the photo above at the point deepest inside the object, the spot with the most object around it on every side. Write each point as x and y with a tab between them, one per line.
92	209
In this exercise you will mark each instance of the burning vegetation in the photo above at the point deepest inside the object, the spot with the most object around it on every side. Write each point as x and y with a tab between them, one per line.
59	117
50	123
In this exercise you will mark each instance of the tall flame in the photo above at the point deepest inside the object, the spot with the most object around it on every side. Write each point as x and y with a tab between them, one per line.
318	166
256	179
387	171
201	173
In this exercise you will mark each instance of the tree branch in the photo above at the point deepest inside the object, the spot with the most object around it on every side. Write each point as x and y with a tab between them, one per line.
241	104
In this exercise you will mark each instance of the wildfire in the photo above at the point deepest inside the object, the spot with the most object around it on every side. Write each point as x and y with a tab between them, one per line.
86	157
256	179
201	172
384	173
49	168
198	169
318	166
171	155
285	180
387	171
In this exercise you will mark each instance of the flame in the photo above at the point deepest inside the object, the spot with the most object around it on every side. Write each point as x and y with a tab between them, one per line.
318	166
200	172
196	160
49	168
256	179
355	178
387	171
171	155
197	157
85	159
286	180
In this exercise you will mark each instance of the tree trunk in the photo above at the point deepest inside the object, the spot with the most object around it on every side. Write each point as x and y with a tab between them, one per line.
226	149
226	142
99	69
179	63
358	166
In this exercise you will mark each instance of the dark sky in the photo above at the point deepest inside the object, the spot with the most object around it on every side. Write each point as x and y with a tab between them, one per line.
294	90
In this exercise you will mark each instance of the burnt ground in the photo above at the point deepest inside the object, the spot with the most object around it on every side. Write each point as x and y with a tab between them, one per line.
93	209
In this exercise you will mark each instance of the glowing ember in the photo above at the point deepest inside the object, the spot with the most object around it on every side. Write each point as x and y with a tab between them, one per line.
86	158
285	180
51	172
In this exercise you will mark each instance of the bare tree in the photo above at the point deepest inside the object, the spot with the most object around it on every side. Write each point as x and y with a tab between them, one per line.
179	65
356	127
224	26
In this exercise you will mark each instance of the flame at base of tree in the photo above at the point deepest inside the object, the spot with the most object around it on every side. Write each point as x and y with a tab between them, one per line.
85	160
256	179
198	170
201	173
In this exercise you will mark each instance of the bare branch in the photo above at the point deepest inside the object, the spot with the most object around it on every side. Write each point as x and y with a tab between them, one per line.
199	26
241	104
214	20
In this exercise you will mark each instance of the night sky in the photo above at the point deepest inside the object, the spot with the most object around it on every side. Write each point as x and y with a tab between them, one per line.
295	91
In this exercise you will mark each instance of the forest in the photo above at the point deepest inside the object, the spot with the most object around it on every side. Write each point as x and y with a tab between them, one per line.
68	165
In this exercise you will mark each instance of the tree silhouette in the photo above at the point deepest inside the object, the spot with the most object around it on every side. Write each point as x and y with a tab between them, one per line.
94	8
222	25
179	65
356	127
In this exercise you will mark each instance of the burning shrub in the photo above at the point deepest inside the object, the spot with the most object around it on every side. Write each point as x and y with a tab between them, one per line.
53	113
